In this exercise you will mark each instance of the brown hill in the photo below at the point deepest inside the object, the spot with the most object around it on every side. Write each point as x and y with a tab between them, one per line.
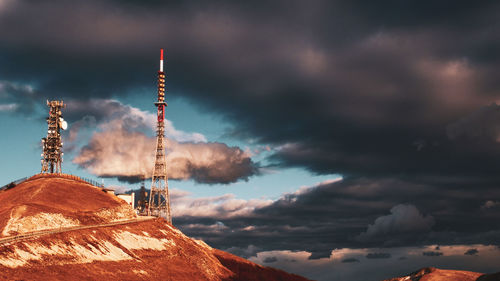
84	249
49	201
435	274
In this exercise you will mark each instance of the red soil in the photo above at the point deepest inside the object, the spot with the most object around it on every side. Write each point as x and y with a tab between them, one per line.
65	256
184	262
64	195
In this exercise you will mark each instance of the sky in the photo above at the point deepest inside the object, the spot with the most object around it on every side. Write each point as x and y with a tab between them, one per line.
332	139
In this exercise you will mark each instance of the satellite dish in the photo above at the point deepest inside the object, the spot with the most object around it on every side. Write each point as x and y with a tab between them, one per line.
64	125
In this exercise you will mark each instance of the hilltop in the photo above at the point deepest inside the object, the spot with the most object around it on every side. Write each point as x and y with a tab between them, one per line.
48	201
66	229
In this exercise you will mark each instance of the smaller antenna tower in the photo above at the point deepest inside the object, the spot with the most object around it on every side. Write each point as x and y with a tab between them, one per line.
52	144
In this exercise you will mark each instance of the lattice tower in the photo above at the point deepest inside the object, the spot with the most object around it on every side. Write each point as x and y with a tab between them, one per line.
159	198
52	156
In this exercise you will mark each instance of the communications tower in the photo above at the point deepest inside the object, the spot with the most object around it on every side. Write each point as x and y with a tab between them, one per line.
52	144
159	199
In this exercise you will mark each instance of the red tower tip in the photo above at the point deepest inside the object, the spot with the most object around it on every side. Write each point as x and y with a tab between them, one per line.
161	54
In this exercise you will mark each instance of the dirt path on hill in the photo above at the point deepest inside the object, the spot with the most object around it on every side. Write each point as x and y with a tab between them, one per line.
36	234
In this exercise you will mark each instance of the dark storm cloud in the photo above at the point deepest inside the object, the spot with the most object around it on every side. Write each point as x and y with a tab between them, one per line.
350	260
432	254
483	123
319	254
338	86
100	110
471	252
378	256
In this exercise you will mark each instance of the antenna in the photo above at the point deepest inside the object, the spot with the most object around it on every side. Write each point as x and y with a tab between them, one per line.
52	144
159	199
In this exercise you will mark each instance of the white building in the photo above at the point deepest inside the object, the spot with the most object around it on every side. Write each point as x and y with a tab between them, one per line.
129	198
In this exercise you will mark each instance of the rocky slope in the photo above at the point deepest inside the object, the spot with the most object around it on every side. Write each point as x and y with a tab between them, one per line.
139	250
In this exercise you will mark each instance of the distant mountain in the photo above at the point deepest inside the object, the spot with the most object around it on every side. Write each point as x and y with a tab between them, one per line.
61	228
435	274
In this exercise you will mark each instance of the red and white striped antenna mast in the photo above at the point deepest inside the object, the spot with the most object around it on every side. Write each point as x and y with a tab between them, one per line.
159	198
